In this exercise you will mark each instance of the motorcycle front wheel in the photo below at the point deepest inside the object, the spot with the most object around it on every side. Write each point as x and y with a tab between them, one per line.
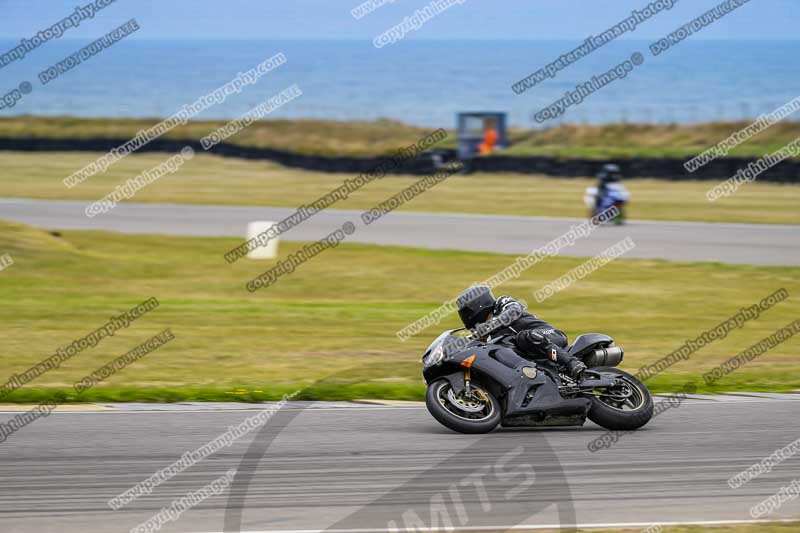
477	413
624	407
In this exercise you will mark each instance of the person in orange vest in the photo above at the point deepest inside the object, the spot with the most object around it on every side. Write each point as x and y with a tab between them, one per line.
490	137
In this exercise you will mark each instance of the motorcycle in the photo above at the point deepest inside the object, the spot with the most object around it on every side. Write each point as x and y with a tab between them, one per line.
616	195
475	385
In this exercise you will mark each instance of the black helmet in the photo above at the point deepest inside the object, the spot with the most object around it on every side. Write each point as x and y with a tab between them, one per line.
473	304
610	173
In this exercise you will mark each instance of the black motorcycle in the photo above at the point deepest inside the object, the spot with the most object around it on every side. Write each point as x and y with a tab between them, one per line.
474	385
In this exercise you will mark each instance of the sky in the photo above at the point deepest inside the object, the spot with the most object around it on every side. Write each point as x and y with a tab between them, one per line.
331	19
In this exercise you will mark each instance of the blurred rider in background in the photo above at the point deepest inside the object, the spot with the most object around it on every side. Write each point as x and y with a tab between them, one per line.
610	173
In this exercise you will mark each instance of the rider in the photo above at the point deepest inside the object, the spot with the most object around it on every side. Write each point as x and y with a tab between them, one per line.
487	317
610	173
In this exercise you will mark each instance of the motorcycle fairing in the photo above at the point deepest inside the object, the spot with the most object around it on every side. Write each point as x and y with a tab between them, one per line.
536	399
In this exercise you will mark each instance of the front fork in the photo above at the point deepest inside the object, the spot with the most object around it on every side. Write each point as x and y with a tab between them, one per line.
468	392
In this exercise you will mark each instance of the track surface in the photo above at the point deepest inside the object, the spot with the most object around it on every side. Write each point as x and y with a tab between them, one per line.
757	244
353	467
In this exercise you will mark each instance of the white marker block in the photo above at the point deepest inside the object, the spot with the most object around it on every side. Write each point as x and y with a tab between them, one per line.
256	228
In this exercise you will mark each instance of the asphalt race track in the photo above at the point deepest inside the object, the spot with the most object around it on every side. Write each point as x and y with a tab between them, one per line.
356	467
757	244
360	467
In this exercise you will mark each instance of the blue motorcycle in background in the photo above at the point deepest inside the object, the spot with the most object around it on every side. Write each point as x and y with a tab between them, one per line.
610	192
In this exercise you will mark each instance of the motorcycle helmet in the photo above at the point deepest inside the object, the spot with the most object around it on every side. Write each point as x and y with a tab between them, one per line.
610	173
474	305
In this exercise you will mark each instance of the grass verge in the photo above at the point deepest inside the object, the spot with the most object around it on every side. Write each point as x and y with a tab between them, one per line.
371	138
744	528
329	328
214	180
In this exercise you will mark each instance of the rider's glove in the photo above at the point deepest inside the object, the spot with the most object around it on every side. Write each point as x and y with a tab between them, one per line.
534	340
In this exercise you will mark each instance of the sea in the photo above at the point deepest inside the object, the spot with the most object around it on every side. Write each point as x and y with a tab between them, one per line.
420	82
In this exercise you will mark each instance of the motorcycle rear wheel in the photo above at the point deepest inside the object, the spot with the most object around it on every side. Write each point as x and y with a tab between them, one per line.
477	414
614	413
620	218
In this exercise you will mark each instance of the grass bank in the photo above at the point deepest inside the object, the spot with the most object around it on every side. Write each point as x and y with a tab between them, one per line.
213	180
788	527
329	328
371	138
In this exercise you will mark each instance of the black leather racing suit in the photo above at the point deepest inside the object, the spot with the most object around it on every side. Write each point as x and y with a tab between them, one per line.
533	337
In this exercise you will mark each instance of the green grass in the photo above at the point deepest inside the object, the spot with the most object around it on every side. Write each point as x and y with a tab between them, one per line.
214	180
329	328
318	137
370	138
648	140
788	527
